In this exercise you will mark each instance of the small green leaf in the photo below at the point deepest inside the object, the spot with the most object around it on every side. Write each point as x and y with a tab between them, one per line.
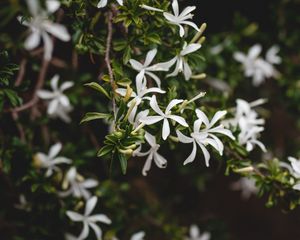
97	87
105	150
123	162
93	116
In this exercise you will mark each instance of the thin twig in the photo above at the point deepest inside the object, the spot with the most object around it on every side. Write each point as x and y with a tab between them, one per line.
38	86
21	73
107	57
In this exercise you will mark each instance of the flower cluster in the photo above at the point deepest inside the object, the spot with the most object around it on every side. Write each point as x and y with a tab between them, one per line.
255	66
249	123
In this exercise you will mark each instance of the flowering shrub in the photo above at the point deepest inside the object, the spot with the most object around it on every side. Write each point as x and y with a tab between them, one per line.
97	95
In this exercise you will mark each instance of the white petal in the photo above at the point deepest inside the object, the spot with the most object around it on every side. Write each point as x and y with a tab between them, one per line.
151	119
57	30
100	218
90	205
187	71
192	156
138	236
206	154
102	4
150	8
179	119
33	7
165	129
60	160
120	2
97	230
147	164
154	77
218	115
159	160
254	51
172	104
54	150
240	57
85	231
52	5
201	115
74	216
44	94
182	138
54	82
194	232
187	10
165	66
33	40
52	107
136	65
90	183
150	56
48	46
150	139
190	48
155	107
66	85
175	7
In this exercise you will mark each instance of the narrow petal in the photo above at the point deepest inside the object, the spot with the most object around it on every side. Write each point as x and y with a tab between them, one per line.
205	153
179	120
54	150
102	4
201	115
90	183
52	5
151	119
66	85
175	7
150	139
165	129
254	51
54	82
150	56
190	48
154	77
192	156
85	231
155	107
44	94
159	160
48	46
100	218
136	65
147	164
187	71
182	138
172	104
90	205
57	30
33	40
74	216
97	230
218	115
187	10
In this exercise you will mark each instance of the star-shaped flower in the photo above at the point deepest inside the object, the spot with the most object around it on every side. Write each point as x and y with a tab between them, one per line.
139	96
164	116
40	27
77	185
59	104
146	69
181	19
49	162
152	154
103	3
205	136
195	234
181	61
89	220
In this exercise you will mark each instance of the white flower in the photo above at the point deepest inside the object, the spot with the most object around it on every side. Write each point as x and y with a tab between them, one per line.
195	234
139	96
59	104
23	204
103	3
272	55
295	171
205	136
181	19
50	161
153	154
78	185
146	69
165	116
246	186
255	66
88	220
181	63
142	114
249	124
138	236
40	27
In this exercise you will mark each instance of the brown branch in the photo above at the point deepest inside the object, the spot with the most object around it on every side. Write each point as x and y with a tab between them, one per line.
107	57
21	73
38	86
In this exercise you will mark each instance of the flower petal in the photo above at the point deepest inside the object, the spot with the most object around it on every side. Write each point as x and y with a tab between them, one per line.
33	40
54	150
155	107
90	205
179	120
100	218
149	57
151	119
192	156
172	104
74	216
182	138
165	129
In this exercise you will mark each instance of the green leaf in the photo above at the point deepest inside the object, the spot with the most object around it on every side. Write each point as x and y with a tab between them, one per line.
105	150
123	162
99	88
94	115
